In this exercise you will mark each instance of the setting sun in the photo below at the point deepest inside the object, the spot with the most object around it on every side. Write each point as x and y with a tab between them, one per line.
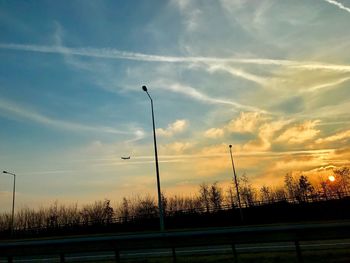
331	178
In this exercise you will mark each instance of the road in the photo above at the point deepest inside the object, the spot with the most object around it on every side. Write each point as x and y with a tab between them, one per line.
248	239
192	251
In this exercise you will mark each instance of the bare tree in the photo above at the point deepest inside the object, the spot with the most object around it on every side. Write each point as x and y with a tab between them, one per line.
98	213
266	194
146	207
247	192
164	203
193	204
123	210
52	218
291	186
205	196
279	194
343	175
216	196
5	221
305	189
231	198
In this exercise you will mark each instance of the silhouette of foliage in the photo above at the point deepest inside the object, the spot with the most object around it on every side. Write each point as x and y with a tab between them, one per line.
182	210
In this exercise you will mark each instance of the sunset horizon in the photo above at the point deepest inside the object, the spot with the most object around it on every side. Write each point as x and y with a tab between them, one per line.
270	78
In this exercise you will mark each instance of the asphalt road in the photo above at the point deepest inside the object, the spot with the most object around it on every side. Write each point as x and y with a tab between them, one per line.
249	234
193	251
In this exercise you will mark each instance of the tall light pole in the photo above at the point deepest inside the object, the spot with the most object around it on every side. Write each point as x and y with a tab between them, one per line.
236	184
13	200
160	203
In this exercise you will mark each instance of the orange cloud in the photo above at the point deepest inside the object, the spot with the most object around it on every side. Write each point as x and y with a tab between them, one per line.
176	147
173	128
214	133
266	132
246	122
336	137
299	133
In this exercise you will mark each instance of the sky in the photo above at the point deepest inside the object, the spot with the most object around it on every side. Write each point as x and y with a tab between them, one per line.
270	77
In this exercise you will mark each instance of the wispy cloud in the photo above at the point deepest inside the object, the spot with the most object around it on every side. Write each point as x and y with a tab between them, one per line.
238	73
109	53
14	111
326	85
195	94
319	66
340	5
336	137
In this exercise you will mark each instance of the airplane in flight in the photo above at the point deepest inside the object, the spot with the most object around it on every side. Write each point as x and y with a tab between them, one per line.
125	158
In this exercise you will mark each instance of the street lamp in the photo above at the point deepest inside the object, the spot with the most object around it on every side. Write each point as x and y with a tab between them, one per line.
13	199
160	203
236	184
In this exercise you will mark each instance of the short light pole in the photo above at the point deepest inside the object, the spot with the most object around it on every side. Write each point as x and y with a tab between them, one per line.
236	184
13	200
160	203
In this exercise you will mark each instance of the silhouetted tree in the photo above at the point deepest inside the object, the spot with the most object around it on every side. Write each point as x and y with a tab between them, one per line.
98	213
266	194
52	219
193	204
343	175
231	198
108	211
205	196
175	204
247	192
305	189
279	194
164	203
124	210
5	221
210	198
146	207
326	191
291	186
216	196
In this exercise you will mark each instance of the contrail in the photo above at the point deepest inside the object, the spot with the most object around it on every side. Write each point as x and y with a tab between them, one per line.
108	53
326	85
340	5
197	95
238	73
14	111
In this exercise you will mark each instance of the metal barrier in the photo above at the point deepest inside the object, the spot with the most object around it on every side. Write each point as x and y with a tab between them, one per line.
177	239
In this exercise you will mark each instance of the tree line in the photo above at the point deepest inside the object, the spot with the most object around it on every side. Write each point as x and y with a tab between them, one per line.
210	197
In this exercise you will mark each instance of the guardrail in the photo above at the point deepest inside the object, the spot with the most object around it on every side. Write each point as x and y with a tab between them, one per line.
178	239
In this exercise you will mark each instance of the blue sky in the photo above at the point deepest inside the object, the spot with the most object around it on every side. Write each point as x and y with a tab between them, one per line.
270	77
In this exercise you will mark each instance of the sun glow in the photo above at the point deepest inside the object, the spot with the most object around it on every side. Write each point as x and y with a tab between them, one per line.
331	178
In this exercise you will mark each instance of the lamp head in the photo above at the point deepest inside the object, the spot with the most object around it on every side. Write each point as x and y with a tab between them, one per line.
144	88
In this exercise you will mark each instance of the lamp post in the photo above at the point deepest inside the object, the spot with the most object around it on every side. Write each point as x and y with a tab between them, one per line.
236	184
13	199
160	203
